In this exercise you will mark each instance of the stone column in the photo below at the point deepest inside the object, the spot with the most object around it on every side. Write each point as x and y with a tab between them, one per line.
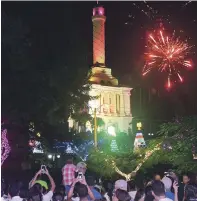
122	105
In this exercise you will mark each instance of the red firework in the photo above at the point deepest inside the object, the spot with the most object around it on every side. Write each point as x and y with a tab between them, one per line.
167	54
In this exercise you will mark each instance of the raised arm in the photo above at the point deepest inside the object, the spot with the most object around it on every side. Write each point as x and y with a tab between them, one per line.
175	186
89	190
32	182
70	192
51	180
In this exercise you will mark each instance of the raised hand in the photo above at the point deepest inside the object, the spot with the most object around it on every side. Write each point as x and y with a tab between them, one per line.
175	186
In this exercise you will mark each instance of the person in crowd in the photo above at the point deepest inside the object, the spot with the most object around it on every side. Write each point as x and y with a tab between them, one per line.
140	195
132	189
4	191
58	197
35	194
102	191
82	190
191	189
158	191
91	183
120	184
148	193
24	193
173	175
61	190
81	167
108	186
168	182
14	191
182	186
46	196
121	195
68	173
157	177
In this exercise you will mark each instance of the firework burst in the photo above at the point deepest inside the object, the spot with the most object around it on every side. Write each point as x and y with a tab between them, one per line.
167	55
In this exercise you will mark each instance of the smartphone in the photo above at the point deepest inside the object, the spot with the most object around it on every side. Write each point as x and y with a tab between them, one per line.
80	175
43	168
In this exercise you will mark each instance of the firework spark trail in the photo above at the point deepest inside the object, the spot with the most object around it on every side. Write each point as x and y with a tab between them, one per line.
151	9
146	13
167	54
186	4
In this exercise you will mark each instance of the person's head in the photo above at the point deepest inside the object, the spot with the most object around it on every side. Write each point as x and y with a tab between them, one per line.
121	184
81	167
167	181
148	193
192	178
82	190
158	189
41	186
58	197
131	185
185	179
139	195
121	195
90	181
157	177
35	194
173	175
69	161
14	189
61	189
24	193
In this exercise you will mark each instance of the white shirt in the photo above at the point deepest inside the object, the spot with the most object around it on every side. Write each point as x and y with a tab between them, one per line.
132	194
48	196
5	198
17	198
106	197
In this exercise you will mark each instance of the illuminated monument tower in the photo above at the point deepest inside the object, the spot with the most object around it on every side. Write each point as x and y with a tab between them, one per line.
113	104
98	20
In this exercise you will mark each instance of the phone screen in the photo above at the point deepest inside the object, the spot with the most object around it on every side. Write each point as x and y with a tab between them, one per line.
80	175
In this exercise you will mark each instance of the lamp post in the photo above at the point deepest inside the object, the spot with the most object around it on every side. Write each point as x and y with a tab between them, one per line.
94	105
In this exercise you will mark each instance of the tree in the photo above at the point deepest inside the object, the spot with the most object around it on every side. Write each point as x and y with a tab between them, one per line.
176	145
45	93
125	164
180	137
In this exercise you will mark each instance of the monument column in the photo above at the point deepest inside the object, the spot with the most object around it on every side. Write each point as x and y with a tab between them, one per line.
98	20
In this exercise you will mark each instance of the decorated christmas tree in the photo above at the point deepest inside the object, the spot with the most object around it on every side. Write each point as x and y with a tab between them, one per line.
114	146
139	141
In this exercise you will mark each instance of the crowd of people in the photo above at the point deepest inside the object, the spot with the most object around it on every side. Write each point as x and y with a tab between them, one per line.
76	186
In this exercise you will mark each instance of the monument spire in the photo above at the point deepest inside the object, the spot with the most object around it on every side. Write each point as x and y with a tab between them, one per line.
98	20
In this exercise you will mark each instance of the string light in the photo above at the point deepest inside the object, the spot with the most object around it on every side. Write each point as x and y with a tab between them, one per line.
129	176
5	148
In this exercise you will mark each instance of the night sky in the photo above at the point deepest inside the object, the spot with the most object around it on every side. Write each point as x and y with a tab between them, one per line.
62	31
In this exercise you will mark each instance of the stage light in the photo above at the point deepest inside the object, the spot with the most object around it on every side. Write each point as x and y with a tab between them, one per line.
50	156
58	156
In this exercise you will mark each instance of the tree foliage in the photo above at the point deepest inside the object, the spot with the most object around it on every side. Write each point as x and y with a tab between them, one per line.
176	144
39	91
